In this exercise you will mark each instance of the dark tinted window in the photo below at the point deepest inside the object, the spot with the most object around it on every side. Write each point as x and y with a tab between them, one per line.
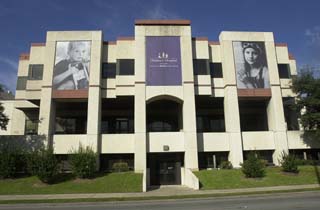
31	127
22	83
291	116
284	70
200	67
125	66
35	71
216	70
108	70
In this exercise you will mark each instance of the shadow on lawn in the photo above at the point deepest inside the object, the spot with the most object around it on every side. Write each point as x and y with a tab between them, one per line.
316	170
63	177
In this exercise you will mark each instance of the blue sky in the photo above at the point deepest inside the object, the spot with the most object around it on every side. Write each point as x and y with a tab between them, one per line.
23	22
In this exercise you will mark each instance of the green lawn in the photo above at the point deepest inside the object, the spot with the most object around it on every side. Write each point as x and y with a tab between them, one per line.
228	179
106	183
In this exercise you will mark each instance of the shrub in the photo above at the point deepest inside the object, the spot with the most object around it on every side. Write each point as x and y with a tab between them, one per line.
226	165
289	163
302	162
46	166
12	162
253	167
33	162
7	165
84	162
120	167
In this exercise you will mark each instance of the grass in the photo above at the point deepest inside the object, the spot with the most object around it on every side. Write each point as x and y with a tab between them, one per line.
231	179
104	183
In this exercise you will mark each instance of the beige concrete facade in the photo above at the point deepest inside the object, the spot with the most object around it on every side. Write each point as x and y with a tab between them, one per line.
141	143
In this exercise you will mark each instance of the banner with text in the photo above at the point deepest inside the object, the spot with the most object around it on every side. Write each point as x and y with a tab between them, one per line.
163	61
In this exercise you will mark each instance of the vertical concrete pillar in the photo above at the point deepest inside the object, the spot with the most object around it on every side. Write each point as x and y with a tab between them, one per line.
277	125
140	145
94	95
46	115
232	121
140	138
47	107
189	128
94	91
189	109
276	120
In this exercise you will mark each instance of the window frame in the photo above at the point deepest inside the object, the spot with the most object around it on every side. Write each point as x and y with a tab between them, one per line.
31	73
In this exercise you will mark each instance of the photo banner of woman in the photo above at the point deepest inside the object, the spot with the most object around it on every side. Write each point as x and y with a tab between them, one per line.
251	65
72	63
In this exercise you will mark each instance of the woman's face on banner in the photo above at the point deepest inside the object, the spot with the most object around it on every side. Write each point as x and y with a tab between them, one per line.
78	53
251	55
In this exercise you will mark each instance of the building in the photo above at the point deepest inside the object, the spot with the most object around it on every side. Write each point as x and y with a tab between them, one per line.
162	101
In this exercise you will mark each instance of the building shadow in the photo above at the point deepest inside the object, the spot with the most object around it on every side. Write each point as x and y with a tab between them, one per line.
316	170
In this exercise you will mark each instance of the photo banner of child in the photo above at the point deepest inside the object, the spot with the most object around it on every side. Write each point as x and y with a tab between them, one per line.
72	62
251	65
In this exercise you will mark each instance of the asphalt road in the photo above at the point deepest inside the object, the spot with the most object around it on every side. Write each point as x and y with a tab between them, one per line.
284	201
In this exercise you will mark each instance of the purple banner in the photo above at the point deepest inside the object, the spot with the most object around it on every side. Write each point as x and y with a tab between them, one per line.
163	60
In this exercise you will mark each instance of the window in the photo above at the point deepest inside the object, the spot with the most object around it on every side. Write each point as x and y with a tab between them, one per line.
210	123
22	83
35	71
253	115
31	127
216	70
125	67
117	125
211	159
109	70
290	115
284	71
70	126
107	161
200	66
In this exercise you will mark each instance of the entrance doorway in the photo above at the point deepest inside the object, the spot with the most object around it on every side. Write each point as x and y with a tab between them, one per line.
165	168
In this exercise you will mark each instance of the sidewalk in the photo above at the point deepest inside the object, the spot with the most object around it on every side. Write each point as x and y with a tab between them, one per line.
163	191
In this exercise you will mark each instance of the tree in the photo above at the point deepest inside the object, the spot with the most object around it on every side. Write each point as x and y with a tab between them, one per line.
307	87
3	118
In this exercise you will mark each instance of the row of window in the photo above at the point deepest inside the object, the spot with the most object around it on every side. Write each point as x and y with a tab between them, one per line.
204	67
126	67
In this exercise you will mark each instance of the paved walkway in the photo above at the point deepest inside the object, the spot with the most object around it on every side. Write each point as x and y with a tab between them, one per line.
155	192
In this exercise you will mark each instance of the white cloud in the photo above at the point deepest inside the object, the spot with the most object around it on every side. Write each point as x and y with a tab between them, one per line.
13	64
159	12
313	35
9	75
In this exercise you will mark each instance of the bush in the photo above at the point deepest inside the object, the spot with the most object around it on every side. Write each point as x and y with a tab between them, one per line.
253	167
12	162
84	162
7	165
226	165
120	167
33	162
289	163
302	162
45	166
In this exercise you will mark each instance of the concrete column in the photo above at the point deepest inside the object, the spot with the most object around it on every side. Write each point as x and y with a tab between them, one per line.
94	118
94	95
46	115
47	105
232	121
189	128
276	123
140	140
